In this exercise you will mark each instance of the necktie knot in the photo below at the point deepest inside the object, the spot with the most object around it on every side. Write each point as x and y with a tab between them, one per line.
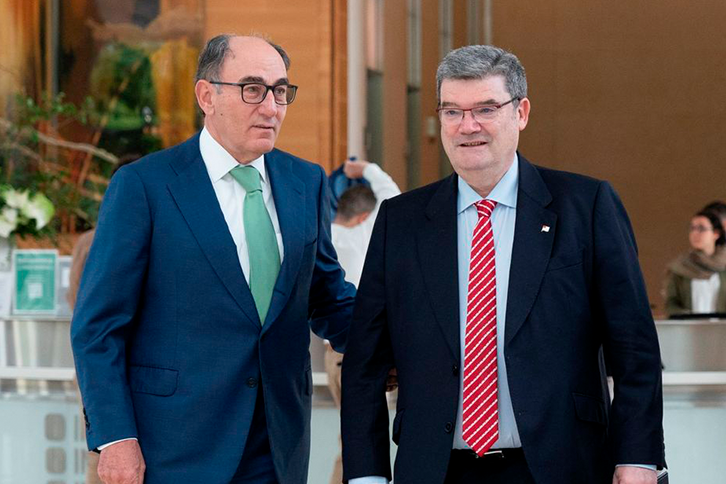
485	208
248	177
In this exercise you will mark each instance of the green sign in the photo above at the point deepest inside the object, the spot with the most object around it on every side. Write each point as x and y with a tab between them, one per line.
35	276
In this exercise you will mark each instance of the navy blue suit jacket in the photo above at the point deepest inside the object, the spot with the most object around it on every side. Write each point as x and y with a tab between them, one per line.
167	341
572	289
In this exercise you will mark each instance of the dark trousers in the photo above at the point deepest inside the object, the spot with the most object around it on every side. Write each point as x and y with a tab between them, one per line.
506	468
256	465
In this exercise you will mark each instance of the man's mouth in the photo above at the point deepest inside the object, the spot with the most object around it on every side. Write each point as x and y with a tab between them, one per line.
473	143
264	126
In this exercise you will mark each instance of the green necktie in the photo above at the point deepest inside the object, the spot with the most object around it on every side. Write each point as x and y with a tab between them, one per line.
261	240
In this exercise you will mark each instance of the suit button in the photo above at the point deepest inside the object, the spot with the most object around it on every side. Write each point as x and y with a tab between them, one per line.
455	370
449	427
251	382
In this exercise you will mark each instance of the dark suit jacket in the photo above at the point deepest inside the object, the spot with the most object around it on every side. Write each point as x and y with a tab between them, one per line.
571	290
167	341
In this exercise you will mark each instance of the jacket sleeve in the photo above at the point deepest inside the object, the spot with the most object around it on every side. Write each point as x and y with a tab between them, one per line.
331	297
369	357
108	298
630	341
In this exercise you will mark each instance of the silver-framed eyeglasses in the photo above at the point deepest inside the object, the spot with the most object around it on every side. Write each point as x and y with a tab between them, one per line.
256	92
482	113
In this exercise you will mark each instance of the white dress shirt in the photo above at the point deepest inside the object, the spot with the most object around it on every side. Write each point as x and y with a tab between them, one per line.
231	195
351	243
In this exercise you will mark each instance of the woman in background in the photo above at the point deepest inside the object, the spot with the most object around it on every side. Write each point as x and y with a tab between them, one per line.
696	281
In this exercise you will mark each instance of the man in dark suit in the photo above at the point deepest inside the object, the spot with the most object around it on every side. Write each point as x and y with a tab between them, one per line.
492	292
210	258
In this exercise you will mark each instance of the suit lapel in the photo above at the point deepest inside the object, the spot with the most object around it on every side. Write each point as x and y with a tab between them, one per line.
532	246
193	193
289	194
437	246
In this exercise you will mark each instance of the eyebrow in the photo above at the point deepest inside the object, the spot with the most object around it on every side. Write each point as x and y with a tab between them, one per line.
448	104
282	80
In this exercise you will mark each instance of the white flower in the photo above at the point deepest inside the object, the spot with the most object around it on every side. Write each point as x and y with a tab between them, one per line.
38	208
10	214
6	226
16	198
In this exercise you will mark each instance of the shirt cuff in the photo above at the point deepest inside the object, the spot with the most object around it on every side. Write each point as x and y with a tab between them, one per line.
643	466
369	480
101	447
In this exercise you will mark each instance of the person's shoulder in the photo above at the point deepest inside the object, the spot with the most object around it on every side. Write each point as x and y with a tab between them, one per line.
567	185
160	161
419	197
296	163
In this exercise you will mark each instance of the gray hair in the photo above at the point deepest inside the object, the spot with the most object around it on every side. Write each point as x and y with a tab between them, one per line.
216	50
481	61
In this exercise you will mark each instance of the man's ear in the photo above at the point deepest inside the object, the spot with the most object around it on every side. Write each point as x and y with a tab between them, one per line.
363	217
205	96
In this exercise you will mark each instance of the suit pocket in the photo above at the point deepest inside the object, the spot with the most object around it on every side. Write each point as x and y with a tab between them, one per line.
151	380
566	259
397	426
589	408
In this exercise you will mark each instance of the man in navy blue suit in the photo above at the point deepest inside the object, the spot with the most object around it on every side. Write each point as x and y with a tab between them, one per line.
492	293
211	260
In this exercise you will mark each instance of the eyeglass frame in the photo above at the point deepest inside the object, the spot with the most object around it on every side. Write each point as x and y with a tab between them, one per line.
496	106
701	229
268	89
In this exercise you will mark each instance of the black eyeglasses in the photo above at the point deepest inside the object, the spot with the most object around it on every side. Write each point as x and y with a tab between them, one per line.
256	92
482	114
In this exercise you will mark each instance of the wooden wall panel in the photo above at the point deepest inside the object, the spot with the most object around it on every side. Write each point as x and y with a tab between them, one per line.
395	73
305	30
630	92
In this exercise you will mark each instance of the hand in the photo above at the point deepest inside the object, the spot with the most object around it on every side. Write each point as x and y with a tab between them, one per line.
392	380
634	475
122	463
354	169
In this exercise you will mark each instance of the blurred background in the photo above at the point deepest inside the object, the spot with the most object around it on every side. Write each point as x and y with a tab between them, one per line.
630	92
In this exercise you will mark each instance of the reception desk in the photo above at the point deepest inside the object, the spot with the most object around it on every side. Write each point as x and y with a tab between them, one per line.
694	399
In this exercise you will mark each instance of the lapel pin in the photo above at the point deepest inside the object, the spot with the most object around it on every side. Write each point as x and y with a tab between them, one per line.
545	228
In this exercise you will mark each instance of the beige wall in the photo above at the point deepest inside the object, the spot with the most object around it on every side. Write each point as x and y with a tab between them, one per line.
305	30
631	92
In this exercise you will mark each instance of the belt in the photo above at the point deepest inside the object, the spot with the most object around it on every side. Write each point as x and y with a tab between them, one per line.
494	454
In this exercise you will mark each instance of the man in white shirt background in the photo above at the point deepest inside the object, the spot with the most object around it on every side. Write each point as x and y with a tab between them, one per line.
351	232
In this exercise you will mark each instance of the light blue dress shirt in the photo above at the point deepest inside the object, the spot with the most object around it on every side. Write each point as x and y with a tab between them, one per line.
502	219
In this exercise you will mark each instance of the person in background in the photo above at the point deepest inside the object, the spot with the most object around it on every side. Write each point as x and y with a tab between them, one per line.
696	281
351	232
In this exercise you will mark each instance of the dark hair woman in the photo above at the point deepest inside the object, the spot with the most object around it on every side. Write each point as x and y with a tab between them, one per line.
696	281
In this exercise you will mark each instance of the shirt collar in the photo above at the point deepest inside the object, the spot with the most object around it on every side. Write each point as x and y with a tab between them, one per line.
504	192
218	160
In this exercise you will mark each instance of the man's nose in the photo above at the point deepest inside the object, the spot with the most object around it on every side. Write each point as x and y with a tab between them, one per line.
469	124
268	107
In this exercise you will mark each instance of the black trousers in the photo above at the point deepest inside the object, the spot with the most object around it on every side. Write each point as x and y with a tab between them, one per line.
256	465
509	467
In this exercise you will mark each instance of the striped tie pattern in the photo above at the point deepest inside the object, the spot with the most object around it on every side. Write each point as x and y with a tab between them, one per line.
480	421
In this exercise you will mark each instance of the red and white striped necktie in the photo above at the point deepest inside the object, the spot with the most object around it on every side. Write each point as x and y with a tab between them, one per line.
480	410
